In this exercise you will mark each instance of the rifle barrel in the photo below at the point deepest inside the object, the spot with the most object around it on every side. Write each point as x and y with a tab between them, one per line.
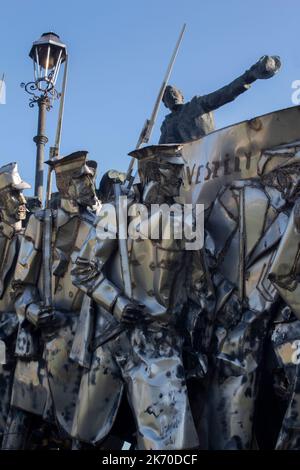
48	220
167	77
61	107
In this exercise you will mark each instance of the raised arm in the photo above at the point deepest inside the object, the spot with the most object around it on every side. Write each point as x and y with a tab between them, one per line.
265	68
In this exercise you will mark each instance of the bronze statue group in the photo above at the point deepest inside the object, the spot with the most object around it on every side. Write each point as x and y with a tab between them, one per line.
180	357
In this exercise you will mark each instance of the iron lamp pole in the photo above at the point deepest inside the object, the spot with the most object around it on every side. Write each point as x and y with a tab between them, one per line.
48	53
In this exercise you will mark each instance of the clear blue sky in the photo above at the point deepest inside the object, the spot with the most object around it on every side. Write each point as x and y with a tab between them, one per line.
119	50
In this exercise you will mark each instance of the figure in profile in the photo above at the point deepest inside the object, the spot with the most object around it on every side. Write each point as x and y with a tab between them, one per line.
194	119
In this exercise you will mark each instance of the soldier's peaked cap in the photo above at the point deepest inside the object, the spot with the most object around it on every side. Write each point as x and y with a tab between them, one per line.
168	153
9	177
75	163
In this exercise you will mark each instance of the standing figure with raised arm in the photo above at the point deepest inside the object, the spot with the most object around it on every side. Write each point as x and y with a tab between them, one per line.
194	119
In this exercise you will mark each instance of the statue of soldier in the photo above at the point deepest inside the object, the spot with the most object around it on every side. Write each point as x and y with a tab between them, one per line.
46	380
246	223
12	213
193	120
147	355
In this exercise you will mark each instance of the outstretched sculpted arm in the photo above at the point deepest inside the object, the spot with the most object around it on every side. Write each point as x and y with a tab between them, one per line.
265	68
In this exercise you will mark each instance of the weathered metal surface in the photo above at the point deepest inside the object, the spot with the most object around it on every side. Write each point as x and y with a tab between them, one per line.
12	212
147	356
285	336
245	260
216	306
235	152
46	379
284	272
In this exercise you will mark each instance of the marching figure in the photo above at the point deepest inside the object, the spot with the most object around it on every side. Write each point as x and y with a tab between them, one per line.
46	380
140	342
192	120
12	213
246	223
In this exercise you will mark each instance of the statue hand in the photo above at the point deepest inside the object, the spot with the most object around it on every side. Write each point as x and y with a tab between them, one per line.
265	67
51	323
133	313
37	313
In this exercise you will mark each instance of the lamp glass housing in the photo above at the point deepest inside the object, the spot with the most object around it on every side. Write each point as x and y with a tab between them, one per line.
48	53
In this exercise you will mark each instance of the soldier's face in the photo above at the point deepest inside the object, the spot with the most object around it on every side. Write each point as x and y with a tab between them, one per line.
82	189
161	181
173	98
13	205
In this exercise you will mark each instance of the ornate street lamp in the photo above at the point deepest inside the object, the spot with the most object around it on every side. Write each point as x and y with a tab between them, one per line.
48	54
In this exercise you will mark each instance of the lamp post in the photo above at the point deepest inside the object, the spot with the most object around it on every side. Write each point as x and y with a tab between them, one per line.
47	53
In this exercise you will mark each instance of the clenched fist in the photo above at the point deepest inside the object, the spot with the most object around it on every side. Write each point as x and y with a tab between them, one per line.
265	67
